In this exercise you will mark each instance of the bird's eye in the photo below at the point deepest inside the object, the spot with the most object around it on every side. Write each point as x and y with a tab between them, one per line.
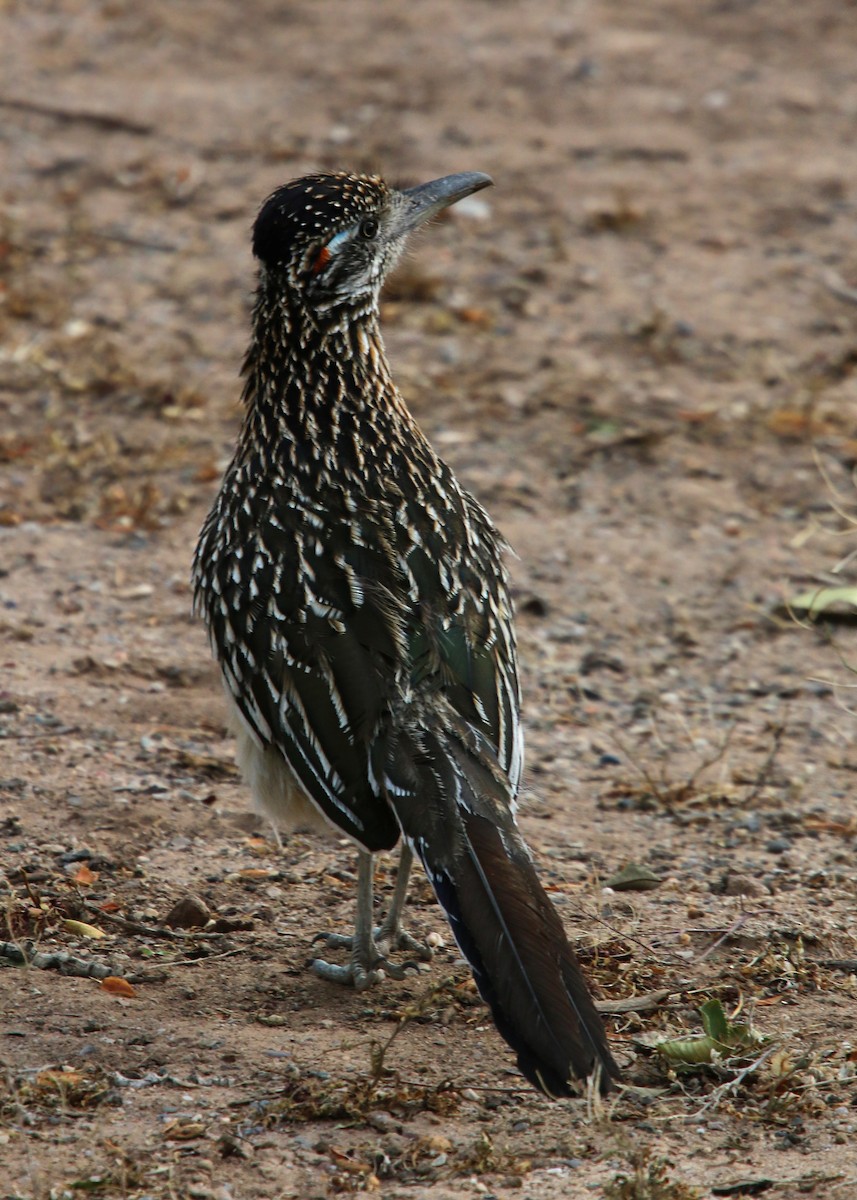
368	228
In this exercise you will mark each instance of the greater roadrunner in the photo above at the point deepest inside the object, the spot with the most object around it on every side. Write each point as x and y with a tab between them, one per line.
357	602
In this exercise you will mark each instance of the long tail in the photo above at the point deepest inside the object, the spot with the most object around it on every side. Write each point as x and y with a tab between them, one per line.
453	804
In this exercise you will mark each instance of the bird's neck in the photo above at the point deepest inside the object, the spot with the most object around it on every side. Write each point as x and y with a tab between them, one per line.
318	388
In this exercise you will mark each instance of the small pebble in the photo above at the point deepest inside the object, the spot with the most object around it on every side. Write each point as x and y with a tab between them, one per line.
735	884
778	846
383	1122
188	913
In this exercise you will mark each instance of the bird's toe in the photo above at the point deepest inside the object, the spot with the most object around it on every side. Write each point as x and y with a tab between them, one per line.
352	974
334	941
401	940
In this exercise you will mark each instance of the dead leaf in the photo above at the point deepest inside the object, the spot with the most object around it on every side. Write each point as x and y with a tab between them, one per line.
117	986
183	1131
62	1078
258	845
841	828
82	929
789	423
634	878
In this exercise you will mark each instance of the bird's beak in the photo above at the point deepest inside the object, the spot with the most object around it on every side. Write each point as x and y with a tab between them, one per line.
429	198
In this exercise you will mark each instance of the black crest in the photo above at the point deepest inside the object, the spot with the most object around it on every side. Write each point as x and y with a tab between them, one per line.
312	209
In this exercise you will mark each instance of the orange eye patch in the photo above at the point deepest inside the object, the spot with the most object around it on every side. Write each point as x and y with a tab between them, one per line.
321	261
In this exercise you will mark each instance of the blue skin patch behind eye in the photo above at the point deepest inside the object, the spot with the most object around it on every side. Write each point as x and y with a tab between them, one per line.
335	242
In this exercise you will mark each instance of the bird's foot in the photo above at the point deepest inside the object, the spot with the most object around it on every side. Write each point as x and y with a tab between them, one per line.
352	974
369	963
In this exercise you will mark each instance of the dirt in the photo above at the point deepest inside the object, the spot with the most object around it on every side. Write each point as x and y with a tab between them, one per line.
639	351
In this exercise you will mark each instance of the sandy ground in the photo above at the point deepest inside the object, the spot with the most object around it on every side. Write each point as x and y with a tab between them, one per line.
639	350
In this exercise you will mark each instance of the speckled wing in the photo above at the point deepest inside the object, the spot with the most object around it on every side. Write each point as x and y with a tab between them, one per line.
321	624
464	641
309	640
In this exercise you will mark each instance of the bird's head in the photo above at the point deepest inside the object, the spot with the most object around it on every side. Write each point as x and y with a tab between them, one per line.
333	238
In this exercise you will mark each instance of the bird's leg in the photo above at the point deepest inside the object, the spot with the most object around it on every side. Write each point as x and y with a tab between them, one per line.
363	969
369	963
390	933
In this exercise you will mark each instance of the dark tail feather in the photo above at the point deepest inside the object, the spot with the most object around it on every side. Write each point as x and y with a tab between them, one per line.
456	814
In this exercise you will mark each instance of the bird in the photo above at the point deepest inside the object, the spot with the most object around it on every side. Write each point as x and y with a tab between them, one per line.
357	600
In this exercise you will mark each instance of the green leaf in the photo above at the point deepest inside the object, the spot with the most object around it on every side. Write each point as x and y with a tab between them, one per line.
819	600
690	1051
714	1021
722	1038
